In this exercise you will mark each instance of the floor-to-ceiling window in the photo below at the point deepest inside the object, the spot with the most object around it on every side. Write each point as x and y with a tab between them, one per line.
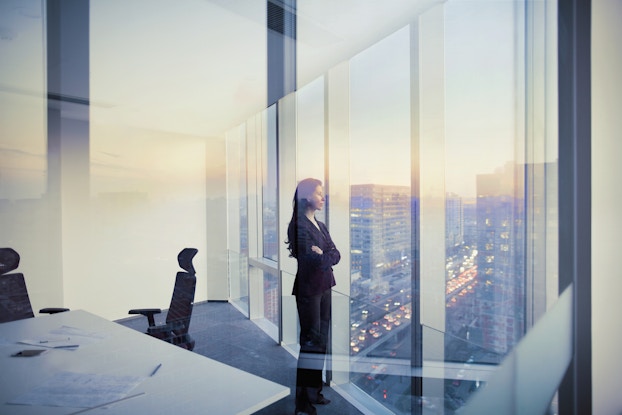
442	131
380	216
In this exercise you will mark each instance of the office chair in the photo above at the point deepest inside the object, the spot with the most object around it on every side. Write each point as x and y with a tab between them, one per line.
14	299
175	330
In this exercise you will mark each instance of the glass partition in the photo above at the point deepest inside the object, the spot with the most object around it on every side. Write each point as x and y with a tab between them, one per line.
25	207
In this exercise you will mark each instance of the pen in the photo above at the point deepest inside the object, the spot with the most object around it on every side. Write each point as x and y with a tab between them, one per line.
48	341
156	369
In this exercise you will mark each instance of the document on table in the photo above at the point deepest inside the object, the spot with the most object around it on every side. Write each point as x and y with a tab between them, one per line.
52	342
74	331
79	390
65	337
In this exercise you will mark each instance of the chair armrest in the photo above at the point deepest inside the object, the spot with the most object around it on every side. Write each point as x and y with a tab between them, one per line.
147	312
53	310
163	328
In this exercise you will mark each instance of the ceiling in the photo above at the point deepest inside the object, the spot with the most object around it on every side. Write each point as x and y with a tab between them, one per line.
196	67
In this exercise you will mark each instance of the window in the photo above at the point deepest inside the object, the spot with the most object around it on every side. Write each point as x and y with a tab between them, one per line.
436	138
269	188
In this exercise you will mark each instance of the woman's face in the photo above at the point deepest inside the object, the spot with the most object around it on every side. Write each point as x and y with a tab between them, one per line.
316	199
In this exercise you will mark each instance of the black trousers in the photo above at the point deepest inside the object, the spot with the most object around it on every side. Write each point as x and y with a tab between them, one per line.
314	314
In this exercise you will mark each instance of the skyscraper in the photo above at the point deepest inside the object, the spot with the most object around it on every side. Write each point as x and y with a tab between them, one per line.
500	295
380	235
454	221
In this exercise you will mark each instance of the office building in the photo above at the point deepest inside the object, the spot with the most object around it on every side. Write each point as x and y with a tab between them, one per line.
500	295
379	236
454	226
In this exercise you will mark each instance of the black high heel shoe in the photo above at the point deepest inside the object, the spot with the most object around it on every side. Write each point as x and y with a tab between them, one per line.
322	400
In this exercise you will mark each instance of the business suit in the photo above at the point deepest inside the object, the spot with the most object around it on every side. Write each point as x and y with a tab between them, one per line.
315	272
312	288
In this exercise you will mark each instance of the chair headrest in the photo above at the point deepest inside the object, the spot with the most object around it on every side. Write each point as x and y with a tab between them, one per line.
184	258
9	260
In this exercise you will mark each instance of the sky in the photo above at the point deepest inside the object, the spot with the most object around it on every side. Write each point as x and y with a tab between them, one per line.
477	62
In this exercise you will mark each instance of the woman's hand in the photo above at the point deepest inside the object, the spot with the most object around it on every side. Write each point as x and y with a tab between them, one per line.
317	250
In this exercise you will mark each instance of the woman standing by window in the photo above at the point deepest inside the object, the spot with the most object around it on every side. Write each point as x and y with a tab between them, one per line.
310	243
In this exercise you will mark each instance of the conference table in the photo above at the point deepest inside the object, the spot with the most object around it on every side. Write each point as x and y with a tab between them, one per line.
95	366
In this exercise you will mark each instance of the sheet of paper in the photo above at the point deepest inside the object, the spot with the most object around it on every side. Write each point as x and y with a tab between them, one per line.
79	390
66	337
52	342
73	331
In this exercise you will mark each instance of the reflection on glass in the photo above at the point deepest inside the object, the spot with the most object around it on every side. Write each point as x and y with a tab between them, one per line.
23	153
237	217
486	228
310	134
238	280
147	176
27	218
271	297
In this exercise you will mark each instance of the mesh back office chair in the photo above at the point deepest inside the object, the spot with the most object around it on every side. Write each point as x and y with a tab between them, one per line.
175	330
14	299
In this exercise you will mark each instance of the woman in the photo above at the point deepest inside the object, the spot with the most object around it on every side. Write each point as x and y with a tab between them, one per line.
310	243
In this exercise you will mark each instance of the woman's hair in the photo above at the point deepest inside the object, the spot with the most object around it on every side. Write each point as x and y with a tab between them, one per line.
300	204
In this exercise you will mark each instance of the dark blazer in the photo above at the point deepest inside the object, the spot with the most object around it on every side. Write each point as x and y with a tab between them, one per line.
315	272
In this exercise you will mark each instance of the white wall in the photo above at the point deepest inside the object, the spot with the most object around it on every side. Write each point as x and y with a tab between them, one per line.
606	202
146	203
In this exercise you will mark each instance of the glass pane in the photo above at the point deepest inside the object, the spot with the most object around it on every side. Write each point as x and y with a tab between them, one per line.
237	217
238	280
380	218
147	162
27	218
485	276
271	297
290	312
270	190
310	134
23	152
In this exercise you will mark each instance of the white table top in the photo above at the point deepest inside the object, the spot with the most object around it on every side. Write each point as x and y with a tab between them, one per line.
186	383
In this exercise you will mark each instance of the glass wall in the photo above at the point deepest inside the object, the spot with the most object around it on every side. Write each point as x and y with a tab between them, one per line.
254	286
380	217
448	140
